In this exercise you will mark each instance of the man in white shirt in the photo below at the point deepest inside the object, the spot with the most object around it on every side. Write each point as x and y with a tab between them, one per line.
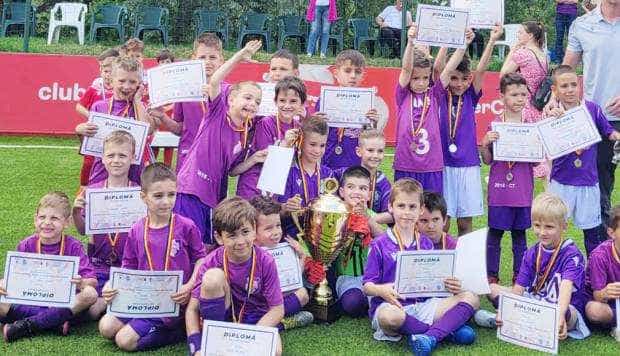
390	20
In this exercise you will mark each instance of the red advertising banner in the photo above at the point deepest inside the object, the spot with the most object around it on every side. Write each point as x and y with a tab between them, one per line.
40	91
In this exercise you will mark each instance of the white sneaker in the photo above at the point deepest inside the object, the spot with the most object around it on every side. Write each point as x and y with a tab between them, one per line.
322	55
309	55
485	319
615	333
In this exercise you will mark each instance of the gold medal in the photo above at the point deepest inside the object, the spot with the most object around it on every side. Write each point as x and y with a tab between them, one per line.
577	162
509	176
338	150
112	258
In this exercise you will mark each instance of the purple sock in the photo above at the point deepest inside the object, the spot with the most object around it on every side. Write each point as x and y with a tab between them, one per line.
51	318
159	338
412	326
213	309
354	303
591	239
519	246
291	304
453	319
494	251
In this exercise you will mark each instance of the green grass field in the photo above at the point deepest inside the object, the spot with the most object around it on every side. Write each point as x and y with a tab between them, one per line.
28	173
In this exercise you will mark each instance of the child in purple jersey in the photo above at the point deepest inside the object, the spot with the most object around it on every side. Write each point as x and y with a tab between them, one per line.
220	143
187	117
603	278
457	102
418	143
553	270
574	177
307	175
162	241
426	322
290	96
433	219
269	235
238	282
371	150
127	102
53	216
106	250
341	142
511	185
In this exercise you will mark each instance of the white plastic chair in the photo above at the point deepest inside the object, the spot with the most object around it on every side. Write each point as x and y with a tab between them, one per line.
510	39
72	15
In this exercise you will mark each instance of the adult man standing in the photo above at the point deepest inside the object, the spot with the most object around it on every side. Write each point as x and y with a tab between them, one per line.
593	40
391	22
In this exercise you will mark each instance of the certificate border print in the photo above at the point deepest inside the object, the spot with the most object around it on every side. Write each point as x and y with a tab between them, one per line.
178	99
555	348
298	272
590	123
426	7
141	128
483	26
330	88
89	218
209	324
533	127
123	314
24	301
420	253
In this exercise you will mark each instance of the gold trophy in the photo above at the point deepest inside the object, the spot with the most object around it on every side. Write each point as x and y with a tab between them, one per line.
325	220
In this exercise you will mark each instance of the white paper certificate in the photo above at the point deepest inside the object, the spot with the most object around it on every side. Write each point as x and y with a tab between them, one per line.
422	273
267	102
275	170
518	142
441	26
572	131
144	294
41	280
529	323
482	13
176	82
231	339
112	209
289	270
471	267
93	146
347	106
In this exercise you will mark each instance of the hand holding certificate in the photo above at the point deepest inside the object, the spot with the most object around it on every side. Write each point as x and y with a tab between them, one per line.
41	280
572	131
482	13
347	107
112	209
441	26
289	270
518	142
529	323
144	294
232	339
93	145
176	82
422	273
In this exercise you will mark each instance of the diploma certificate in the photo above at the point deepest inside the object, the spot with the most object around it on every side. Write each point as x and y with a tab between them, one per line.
482	13
176	82
275	170
111	210
106	124
289	270
267	103
347	107
572	131
529	323
422	273
232	339
40	280
144	294
441	26
518	142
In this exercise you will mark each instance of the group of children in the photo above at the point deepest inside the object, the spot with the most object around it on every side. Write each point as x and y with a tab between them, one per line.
218	242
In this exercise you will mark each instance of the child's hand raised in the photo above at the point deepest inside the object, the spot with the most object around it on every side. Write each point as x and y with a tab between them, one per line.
290	136
250	49
373	116
79	202
183	295
87	129
490	137
469	36
412	32
496	32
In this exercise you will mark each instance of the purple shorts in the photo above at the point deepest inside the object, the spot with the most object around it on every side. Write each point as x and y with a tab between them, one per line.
143	327
102	278
510	218
19	312
431	181
192	208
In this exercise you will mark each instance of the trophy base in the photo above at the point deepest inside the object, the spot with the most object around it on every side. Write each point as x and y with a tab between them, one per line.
324	314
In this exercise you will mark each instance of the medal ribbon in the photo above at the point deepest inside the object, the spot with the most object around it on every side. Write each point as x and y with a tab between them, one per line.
147	249
543	278
250	286
62	245
443	241
317	171
373	185
509	164
245	129
124	113
459	106
340	135
117	234
416	234
425	107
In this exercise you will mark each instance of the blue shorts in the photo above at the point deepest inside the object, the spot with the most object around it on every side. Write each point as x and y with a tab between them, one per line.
462	190
583	203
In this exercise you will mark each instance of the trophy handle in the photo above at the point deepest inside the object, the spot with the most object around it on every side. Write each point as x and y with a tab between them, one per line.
295	217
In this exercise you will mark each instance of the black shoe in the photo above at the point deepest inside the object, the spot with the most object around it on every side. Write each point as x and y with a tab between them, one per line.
18	329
